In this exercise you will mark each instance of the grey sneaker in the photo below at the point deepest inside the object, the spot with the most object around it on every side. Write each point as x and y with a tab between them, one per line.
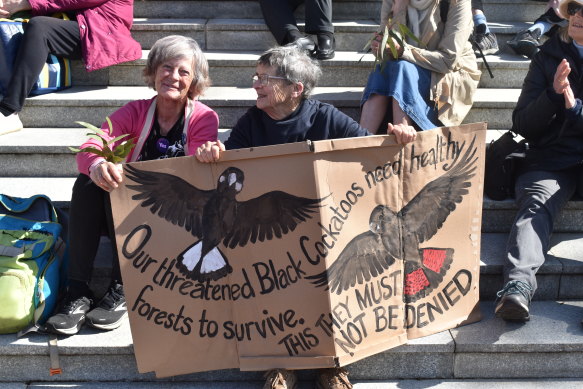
70	316
525	43
487	43
110	311
513	301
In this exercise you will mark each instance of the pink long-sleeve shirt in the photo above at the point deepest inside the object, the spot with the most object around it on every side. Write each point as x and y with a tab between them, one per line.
129	119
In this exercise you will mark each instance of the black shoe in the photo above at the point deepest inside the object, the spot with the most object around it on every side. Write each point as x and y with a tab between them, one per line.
304	44
525	43
70	316
486	42
110	311
325	47
513	302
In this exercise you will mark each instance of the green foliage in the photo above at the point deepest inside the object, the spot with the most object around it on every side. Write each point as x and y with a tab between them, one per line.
392	34
117	154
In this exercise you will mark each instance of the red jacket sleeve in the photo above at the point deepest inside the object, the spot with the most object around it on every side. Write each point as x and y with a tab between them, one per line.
47	7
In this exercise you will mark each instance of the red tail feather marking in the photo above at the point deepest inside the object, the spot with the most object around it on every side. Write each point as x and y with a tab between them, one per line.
415	281
433	259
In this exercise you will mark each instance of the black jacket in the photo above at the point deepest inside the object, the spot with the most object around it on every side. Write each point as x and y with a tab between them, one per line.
554	133
313	120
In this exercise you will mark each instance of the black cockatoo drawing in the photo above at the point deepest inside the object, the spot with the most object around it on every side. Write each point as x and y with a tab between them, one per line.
397	236
215	216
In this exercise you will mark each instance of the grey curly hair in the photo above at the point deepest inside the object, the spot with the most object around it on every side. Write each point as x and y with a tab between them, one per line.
178	46
293	64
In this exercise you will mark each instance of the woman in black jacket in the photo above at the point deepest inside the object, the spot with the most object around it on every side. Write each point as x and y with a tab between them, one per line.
549	115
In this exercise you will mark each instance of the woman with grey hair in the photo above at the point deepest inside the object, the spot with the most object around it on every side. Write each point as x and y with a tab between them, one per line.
171	124
284	79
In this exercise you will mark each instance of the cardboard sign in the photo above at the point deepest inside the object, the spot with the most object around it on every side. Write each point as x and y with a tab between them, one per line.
304	255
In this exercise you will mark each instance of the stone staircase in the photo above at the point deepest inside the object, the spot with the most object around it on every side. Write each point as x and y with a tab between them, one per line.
548	351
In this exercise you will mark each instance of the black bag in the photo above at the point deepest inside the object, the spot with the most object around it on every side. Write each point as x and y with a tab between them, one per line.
500	168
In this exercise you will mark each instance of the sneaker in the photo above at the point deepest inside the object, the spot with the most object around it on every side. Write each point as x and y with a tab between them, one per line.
513	301
10	123
280	379
70	316
110	311
336	378
486	42
525	43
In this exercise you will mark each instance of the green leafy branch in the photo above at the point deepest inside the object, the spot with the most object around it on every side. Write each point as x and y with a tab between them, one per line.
392	34
116	154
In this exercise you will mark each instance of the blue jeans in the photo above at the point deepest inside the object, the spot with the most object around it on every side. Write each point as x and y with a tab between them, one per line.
409	85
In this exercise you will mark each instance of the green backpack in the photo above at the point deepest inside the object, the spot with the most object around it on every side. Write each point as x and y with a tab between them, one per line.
31	261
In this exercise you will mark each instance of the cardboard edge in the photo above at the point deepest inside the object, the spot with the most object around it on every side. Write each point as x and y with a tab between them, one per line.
267	151
399	340
293	363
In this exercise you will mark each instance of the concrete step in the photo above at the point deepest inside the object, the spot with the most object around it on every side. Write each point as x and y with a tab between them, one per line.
347	68
560	277
513	10
380	384
564	383
497	215
93	104
44	152
252	34
244	9
244	34
40	152
496	10
549	346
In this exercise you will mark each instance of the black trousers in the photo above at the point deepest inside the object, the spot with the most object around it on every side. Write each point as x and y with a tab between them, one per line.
43	35
89	216
279	17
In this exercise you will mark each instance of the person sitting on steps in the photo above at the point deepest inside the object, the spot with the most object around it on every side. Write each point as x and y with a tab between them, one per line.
527	42
549	115
279	17
482	37
283	80
98	33
429	84
171	124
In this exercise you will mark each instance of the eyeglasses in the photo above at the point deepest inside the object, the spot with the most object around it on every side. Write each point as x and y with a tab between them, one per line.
263	79
574	8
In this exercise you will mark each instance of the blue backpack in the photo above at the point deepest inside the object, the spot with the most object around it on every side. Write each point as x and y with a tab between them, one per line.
32	258
55	74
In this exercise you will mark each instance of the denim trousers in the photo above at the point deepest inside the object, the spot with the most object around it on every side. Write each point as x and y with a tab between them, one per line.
540	197
409	85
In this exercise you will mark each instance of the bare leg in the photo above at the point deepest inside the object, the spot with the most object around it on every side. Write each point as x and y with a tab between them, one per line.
373	112
401	126
399	117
